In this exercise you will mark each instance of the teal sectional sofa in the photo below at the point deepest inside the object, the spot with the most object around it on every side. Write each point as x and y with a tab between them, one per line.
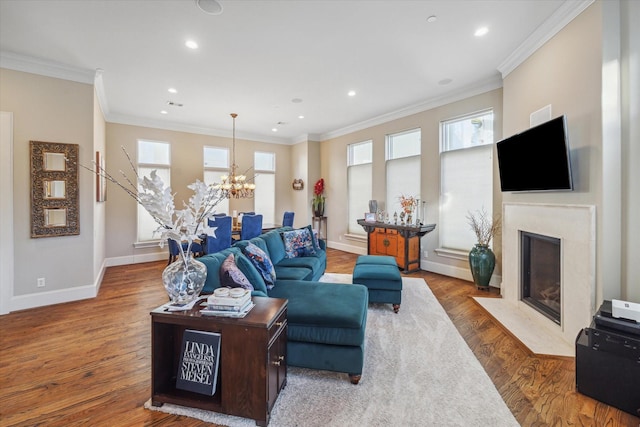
326	321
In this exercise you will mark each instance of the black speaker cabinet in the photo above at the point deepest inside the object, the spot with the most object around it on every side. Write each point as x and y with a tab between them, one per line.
612	377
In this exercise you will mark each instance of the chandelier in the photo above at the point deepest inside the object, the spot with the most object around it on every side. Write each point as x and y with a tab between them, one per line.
235	185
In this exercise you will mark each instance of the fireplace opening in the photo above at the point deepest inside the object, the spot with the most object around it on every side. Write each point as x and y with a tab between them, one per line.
541	276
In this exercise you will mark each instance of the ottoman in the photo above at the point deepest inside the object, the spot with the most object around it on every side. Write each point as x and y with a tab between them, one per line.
379	273
326	325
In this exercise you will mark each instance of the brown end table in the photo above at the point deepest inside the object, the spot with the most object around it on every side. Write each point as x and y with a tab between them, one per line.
252	367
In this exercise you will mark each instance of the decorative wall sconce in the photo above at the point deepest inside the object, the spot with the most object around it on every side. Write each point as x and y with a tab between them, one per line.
298	184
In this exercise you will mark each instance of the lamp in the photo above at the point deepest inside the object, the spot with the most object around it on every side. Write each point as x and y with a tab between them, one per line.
236	185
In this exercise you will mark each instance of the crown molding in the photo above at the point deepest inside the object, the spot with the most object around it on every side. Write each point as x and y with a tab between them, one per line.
27	64
468	91
306	137
126	119
549	28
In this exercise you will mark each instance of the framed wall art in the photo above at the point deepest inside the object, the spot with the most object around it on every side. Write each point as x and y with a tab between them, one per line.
54	189
101	180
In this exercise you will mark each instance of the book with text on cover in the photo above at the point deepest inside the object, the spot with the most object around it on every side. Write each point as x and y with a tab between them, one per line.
199	359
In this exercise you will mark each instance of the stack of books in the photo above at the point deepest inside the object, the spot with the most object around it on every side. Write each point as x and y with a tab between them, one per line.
235	304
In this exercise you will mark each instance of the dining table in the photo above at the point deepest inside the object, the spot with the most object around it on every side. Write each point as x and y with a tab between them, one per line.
235	230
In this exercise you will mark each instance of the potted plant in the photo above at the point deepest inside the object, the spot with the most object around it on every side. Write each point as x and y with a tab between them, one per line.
318	198
482	260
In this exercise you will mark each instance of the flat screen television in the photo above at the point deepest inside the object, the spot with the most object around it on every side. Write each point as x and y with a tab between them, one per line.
536	159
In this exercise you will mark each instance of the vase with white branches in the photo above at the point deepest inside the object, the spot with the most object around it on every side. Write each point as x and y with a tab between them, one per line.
482	260
184	278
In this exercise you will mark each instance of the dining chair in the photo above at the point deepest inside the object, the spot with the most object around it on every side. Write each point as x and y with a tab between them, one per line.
222	238
174	250
251	226
287	219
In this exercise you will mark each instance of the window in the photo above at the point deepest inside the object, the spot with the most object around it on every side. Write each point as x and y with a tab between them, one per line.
216	164
403	168
466	176
265	180
152	155
359	170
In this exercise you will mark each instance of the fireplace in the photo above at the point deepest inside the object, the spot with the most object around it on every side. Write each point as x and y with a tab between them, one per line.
540	280
575	227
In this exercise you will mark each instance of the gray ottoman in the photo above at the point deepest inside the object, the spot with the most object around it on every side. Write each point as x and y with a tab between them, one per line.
380	274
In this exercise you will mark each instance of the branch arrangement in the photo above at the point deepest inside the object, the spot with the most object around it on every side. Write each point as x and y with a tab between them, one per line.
151	193
483	226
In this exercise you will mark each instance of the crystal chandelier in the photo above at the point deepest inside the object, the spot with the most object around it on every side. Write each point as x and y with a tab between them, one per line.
236	185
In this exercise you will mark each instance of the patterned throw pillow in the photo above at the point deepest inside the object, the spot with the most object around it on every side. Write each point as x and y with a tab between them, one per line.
298	243
263	264
230	275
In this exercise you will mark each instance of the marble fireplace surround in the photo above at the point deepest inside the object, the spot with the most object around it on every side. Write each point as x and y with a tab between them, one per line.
575	226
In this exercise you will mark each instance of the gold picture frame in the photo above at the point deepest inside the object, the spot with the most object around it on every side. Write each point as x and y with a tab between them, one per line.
54	189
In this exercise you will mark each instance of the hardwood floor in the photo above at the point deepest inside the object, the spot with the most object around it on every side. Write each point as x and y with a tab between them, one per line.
88	362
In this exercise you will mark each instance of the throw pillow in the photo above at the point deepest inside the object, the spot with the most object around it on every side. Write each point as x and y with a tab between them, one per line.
230	275
263	264
298	243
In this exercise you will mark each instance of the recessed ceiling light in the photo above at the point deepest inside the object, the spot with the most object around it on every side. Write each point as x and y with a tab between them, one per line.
301	117
481	31
191	44
212	7
351	93
164	112
274	130
296	100
173	90
444	82
432	18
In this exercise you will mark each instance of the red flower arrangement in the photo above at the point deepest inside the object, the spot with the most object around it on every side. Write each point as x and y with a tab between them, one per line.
318	199
318	189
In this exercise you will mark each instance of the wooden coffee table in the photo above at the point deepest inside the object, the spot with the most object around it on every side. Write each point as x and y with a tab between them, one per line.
252	366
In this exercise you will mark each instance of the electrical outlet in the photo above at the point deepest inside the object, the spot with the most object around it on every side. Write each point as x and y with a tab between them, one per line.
41	282
425	254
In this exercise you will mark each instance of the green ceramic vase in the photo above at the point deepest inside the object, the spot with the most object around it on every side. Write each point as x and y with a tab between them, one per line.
482	261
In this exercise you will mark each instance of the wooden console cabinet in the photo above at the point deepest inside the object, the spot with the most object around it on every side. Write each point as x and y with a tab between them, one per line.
252	367
399	241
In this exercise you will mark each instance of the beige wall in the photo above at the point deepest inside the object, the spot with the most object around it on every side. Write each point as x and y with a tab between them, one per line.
186	167
334	161
630	47
51	110
99	212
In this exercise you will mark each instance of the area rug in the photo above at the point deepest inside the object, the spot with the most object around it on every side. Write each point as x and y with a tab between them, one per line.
418	371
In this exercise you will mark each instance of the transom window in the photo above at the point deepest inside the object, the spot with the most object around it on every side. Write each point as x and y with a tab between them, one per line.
264	164
216	164
466	176
152	155
359	187
402	168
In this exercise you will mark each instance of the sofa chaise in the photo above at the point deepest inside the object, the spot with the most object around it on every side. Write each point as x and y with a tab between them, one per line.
326	321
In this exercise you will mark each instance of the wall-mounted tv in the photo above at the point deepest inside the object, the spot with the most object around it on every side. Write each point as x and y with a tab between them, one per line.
536	159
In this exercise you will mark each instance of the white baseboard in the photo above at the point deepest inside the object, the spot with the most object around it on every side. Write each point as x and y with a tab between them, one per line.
457	272
136	259
40	299
346	247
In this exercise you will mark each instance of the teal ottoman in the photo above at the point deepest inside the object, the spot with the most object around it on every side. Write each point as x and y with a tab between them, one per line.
326	325
381	276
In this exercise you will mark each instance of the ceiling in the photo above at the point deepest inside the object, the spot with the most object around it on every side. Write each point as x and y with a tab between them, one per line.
272	61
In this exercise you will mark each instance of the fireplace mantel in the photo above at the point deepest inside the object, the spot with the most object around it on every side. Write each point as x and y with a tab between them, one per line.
575	226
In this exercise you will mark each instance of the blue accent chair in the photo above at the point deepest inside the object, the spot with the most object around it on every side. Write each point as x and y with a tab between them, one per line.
287	219
174	251
251	226
222	239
